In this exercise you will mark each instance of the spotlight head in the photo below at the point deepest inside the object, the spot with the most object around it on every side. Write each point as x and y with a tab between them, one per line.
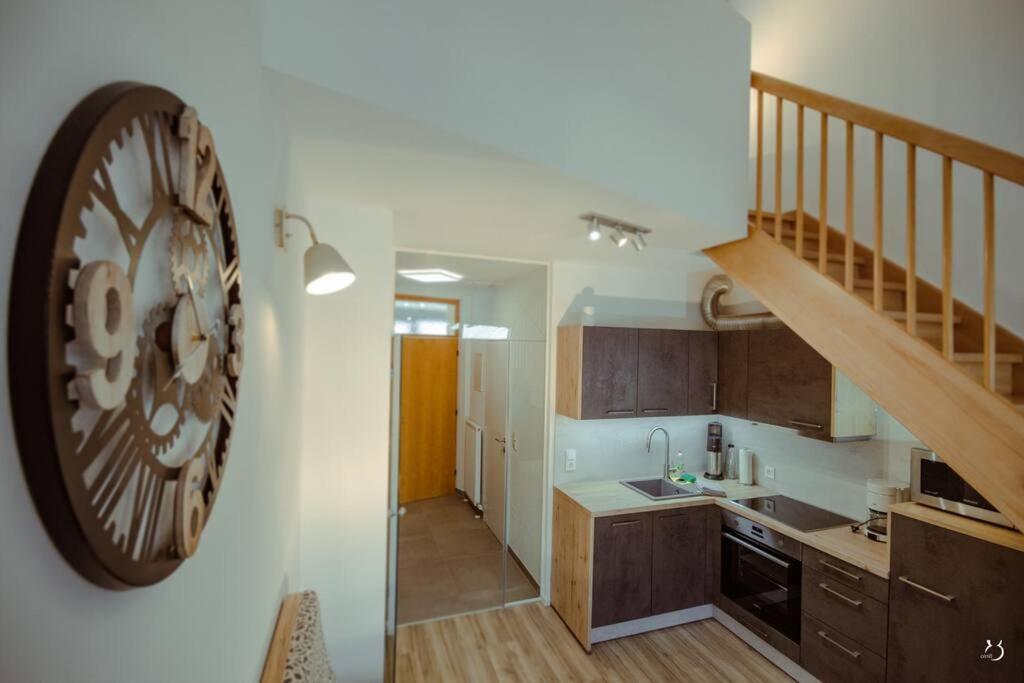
639	243
594	230
619	237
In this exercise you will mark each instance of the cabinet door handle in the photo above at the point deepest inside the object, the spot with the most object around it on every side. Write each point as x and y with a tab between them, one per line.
619	412
852	654
655	410
850	601
626	523
714	396
807	425
840	570
945	597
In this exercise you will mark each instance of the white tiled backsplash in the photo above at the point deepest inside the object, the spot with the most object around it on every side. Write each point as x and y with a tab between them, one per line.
828	475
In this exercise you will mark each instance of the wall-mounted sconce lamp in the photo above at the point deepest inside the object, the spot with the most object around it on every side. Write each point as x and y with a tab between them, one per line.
324	269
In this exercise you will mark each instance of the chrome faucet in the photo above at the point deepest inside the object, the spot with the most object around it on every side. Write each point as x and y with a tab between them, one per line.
650	435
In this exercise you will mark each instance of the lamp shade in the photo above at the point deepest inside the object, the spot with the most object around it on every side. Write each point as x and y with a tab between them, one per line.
325	270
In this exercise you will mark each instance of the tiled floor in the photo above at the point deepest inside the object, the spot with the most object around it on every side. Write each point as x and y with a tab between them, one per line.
449	562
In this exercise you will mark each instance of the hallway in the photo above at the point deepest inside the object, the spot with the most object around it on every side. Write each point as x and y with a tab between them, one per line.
450	563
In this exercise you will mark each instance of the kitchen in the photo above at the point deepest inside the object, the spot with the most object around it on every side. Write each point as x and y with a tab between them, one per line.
783	561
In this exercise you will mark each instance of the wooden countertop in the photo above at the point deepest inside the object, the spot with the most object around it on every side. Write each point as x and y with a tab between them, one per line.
1009	538
604	498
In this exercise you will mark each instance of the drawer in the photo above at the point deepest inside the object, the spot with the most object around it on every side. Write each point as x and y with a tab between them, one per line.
760	629
830	656
846	574
848	611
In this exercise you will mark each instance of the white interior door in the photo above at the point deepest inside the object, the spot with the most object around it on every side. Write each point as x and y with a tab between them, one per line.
495	377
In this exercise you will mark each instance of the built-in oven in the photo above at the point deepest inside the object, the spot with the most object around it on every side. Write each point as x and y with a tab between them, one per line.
761	573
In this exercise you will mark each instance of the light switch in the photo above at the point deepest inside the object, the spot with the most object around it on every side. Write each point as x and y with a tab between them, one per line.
570	459
769	472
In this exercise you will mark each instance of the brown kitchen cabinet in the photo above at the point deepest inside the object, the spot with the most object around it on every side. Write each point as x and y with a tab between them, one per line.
679	557
703	373
663	379
956	603
622	568
615	372
789	384
732	373
597	372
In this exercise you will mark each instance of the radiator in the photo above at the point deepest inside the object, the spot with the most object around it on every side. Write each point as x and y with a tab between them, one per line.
472	461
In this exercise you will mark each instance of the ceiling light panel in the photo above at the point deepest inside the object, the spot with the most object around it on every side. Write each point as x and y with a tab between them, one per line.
430	275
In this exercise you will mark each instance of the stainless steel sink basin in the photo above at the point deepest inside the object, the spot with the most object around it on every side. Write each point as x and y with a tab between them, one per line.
661	489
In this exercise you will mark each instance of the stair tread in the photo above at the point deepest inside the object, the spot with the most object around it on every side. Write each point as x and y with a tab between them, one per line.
921	317
835	258
865	283
980	357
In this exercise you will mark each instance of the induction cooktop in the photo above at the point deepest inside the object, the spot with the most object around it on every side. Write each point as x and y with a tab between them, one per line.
794	513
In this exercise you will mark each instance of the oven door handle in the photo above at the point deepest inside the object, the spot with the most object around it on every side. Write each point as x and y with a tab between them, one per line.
754	549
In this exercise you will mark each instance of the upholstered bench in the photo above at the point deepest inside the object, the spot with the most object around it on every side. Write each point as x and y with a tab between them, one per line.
297	651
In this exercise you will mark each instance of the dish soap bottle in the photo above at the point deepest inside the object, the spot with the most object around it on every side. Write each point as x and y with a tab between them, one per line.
676	467
731	463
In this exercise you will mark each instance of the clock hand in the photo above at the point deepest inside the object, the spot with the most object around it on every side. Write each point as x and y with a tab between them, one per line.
195	307
181	366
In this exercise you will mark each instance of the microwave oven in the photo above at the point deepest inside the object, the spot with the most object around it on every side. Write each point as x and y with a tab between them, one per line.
934	483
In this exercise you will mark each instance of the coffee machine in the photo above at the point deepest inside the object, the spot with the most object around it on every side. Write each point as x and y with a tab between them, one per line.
715	467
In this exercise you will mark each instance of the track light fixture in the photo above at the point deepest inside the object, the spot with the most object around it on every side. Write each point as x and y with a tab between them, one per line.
620	232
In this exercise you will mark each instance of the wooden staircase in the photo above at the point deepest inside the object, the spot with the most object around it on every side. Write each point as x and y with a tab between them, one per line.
949	373
967	354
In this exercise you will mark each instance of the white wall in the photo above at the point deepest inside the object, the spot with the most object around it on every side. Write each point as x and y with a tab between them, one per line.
212	619
954	65
646	98
346	385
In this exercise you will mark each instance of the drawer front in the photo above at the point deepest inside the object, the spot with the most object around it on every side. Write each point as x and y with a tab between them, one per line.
846	574
832	657
853	614
760	629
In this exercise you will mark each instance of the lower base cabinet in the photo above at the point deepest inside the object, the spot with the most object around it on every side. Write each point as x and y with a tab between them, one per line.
648	563
956	606
832	657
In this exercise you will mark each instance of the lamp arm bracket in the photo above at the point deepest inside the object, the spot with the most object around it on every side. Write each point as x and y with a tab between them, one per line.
280	236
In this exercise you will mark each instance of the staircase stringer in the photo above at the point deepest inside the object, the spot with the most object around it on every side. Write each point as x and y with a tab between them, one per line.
978	433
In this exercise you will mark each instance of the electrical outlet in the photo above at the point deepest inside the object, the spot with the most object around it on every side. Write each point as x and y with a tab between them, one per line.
769	472
570	459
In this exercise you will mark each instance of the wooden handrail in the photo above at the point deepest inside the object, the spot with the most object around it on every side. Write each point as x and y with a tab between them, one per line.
993	160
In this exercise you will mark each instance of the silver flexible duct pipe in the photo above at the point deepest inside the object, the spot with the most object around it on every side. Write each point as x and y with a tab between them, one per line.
713	290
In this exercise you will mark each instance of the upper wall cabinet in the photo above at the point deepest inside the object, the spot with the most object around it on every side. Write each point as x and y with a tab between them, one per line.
612	372
662	376
732	373
789	384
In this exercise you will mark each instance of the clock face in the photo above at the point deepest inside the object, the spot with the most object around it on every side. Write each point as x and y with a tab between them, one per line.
125	334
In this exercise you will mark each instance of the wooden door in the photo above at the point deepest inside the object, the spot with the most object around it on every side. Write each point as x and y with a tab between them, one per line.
788	383
622	568
662	376
958	593
680	554
609	372
703	369
732	373
426	466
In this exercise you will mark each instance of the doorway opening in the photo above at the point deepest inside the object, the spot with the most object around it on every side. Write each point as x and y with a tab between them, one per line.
469	393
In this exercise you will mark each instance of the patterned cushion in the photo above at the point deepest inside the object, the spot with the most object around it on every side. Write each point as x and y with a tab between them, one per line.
307	654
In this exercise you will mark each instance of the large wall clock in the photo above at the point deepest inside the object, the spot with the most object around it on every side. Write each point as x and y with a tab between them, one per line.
125	334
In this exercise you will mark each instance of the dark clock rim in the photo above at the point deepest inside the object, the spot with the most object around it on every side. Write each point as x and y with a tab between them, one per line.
31	319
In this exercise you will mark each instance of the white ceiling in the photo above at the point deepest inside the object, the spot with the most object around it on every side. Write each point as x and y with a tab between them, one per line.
452	195
475	271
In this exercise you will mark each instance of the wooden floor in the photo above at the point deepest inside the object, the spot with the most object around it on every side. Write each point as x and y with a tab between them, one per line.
530	643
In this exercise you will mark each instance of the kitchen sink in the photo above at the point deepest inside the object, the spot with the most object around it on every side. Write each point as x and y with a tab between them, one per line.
661	489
